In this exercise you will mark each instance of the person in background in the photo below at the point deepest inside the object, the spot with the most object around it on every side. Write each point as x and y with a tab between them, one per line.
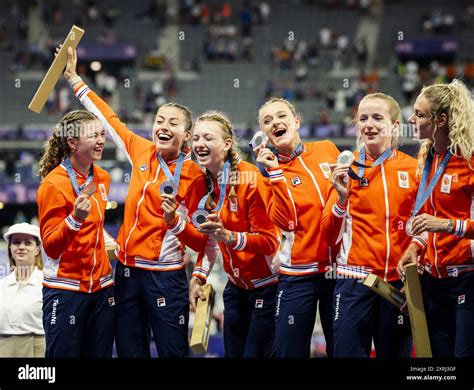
21	299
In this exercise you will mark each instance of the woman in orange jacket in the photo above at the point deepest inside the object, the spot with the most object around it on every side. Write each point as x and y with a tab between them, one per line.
294	185
232	214
443	223
151	286
368	215
78	301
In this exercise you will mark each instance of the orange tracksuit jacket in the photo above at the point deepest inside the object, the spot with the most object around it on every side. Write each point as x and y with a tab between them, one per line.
252	261
450	254
144	240
371	226
76	257
295	195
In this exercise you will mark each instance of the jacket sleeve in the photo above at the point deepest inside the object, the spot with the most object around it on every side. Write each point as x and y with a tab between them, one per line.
188	234
206	260
58	227
465	228
262	237
181	227
125	139
277	198
333	218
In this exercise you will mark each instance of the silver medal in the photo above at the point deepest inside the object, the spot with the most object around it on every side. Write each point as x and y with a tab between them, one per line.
168	187
199	217
345	158
258	139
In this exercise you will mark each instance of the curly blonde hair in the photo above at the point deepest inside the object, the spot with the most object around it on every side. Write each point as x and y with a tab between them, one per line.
57	149
395	115
455	101
233	154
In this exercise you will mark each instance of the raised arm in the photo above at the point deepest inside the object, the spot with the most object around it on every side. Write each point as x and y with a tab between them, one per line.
130	143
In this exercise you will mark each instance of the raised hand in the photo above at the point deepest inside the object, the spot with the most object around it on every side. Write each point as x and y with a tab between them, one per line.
71	64
340	180
266	157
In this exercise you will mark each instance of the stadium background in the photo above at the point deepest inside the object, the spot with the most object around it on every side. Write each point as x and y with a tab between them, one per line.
323	55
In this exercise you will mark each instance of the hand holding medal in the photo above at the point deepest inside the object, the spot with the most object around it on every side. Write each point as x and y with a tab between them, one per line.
169	206
428	223
340	175
265	156
214	227
82	204
201	215
170	186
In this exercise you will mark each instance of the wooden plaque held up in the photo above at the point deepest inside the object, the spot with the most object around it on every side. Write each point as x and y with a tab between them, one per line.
385	290
416	311
202	321
55	70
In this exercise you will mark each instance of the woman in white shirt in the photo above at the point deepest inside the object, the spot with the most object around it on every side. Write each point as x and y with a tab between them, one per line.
21	299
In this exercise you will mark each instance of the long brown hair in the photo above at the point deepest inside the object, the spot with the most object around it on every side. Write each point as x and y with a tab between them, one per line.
57	149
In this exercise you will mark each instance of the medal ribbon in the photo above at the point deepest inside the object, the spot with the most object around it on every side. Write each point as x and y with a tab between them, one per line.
177	172
222	189
425	192
72	176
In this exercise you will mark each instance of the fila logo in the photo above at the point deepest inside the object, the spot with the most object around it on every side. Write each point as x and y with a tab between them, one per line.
295	181
446	183
111	301
143	167
161	302
259	303
403	181
461	299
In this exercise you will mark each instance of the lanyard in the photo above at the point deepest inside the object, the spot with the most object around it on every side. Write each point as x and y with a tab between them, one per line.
177	172
72	176
222	189
425	192
385	155
280	157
